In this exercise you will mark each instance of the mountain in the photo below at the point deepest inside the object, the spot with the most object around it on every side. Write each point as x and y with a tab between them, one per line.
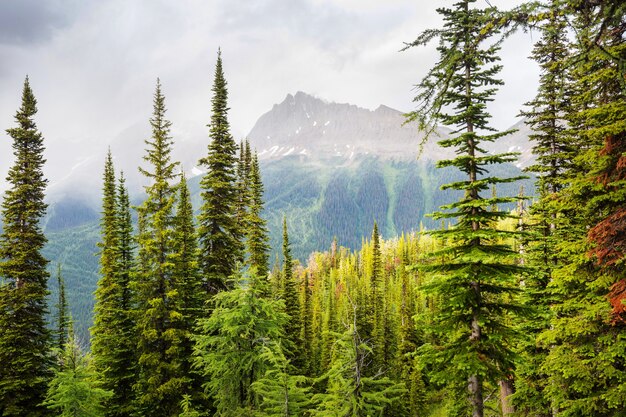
312	128
331	169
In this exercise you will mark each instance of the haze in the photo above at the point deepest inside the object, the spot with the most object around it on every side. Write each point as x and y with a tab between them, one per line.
93	64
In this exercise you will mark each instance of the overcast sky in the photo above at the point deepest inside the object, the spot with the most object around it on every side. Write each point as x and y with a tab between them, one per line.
93	63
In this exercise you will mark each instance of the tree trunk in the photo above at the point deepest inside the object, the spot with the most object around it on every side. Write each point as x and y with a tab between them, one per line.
506	389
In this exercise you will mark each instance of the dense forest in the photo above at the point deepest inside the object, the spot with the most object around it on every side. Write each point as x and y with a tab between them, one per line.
509	307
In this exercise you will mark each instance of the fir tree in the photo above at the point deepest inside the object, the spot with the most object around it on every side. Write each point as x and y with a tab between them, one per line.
219	234
350	391
585	339
293	327
554	151
113	342
187	281
479	281
24	338
62	318
257	234
160	320
282	394
377	313
73	391
229	349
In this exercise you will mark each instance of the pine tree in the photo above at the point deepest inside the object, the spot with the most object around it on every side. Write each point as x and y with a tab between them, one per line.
73	391
160	319
24	338
113	341
219	234
478	283
62	318
229	349
257	234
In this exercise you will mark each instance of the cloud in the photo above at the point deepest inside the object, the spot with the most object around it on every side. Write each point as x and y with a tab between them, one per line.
31	21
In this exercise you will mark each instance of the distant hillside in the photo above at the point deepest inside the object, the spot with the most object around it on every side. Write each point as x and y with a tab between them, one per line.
331	169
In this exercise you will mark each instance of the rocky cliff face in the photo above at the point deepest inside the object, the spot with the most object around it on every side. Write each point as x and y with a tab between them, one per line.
315	129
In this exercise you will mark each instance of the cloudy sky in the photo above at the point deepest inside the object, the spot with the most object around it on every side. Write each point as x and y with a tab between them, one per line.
93	63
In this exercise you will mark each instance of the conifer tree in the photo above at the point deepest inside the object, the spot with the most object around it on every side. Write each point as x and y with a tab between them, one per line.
585	339
554	151
219	234
306	314
62	317
350	391
257	234
25	340
113	341
73	391
293	327
377	314
229	349
478	283
187	280
160	320
282	394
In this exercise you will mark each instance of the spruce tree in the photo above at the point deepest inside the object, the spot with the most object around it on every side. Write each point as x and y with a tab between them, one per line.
377	304
25	340
350	391
219	234
282	393
257	234
187	282
554	151
74	390
62	317
229	347
478	282
113	341
160	319
293	327
585	338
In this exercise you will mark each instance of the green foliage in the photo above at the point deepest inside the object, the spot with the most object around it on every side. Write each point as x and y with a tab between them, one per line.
230	343
219	234
281	393
24	338
74	391
256	229
478	276
350	392
62	317
114	342
161	325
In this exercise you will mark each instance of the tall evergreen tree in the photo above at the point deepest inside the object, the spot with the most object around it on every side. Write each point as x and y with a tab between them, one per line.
24	338
187	282
113	342
585	339
160	319
219	234
257	234
554	151
478	283
62	317
377	313
293	326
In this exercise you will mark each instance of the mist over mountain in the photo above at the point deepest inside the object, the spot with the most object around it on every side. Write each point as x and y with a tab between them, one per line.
331	169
